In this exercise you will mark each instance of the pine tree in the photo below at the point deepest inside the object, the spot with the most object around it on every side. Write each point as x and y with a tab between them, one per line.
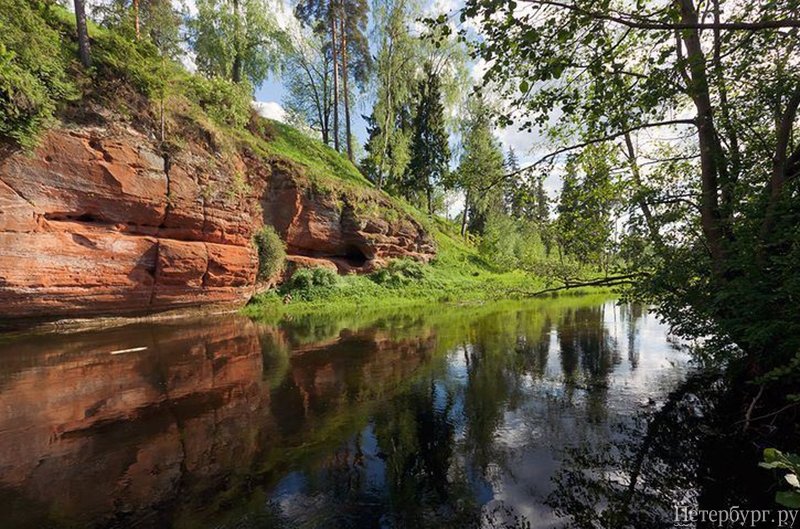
344	23
514	194
584	208
83	33
430	152
542	202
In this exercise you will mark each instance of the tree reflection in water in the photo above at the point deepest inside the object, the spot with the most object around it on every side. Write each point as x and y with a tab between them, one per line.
683	454
420	418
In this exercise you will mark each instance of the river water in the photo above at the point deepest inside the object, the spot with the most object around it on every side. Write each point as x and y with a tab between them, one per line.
440	416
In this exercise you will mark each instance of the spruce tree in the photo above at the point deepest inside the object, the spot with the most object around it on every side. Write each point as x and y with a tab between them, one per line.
430	152
480	167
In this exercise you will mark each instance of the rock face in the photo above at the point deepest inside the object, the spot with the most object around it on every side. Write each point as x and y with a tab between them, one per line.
97	222
357	232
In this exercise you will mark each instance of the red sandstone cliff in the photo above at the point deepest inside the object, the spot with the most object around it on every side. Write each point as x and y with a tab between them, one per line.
96	221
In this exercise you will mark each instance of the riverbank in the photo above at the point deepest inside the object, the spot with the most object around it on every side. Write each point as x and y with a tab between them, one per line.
458	275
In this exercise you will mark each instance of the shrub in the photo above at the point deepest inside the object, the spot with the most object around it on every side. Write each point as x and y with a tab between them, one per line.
135	63
311	283
33	65
399	272
226	102
271	252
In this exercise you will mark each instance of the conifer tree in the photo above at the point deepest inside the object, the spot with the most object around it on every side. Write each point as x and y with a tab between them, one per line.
430	152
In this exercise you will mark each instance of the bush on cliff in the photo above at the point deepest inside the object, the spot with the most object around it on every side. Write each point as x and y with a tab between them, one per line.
225	102
271	252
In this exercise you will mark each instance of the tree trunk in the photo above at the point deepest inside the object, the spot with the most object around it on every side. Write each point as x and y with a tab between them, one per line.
326	105
728	199
345	89
335	57
236	72
464	215
710	155
136	17
637	180
783	133
83	33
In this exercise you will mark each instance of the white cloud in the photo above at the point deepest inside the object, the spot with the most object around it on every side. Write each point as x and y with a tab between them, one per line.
270	110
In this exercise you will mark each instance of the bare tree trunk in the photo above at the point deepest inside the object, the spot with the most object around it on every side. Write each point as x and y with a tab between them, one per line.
710	155
136	17
346	90
236	73
464	215
335	56
83	33
326	104
637	180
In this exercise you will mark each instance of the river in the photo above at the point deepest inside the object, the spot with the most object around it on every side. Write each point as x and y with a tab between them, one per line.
437	416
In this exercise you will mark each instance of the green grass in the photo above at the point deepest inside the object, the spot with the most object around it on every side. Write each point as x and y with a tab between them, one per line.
458	275
322	161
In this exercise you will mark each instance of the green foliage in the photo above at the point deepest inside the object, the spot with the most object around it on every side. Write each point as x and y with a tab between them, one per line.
237	45
500	242
510	243
309	92
400	272
308	284
226	102
271	252
33	70
713	218
159	23
481	166
322	161
119	59
774	460
395	77
430	152
584	226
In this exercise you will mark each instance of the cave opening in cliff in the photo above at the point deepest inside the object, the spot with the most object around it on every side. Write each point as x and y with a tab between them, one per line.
354	256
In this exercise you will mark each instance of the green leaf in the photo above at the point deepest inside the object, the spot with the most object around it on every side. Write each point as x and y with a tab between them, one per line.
788	499
523	86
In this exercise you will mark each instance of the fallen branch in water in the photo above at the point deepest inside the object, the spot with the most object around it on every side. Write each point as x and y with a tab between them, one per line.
608	281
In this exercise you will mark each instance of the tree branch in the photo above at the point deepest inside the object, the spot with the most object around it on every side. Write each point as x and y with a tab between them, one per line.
586	143
611	281
632	21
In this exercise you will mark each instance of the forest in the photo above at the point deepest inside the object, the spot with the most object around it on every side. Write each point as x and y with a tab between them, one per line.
546	146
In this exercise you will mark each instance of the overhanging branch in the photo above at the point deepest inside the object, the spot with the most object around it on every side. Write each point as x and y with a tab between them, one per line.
586	143
632	21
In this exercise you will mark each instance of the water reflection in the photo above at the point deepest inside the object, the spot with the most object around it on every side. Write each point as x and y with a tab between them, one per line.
426	417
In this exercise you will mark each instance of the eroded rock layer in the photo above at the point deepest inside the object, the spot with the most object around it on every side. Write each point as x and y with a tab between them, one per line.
97	221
